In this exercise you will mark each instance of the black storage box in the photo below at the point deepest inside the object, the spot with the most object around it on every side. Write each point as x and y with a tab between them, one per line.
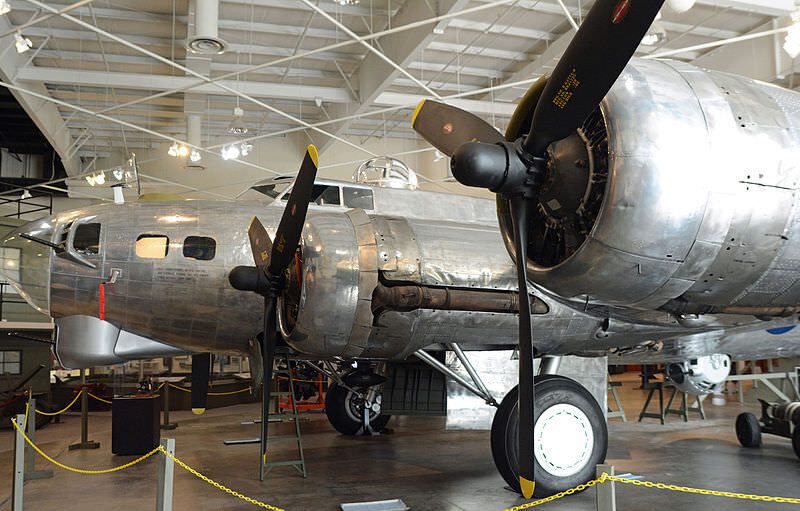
135	424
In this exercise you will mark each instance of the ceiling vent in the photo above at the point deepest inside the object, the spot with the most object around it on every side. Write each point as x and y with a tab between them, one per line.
205	40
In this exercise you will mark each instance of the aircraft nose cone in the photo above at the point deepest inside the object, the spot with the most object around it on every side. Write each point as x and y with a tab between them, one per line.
25	264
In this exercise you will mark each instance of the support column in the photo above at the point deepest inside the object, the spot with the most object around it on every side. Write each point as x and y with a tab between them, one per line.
85	443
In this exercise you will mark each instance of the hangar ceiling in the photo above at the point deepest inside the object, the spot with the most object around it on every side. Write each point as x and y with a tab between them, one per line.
114	75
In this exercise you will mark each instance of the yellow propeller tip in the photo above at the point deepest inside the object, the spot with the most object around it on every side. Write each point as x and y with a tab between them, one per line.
312	151
416	111
251	223
198	411
526	487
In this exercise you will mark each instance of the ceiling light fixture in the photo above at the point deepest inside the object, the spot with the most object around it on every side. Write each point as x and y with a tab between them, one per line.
178	151
346	2
195	155
792	42
22	43
230	152
4	7
237	126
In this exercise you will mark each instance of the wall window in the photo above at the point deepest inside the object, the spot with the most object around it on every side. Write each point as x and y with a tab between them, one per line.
152	246
199	247
10	362
87	239
357	198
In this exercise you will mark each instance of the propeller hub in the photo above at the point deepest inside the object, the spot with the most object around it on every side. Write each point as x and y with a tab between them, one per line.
497	167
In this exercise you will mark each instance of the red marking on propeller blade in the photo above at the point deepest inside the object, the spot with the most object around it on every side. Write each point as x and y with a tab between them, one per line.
620	11
447	128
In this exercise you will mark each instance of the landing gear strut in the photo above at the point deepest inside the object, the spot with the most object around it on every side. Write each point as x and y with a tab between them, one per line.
347	409
570	436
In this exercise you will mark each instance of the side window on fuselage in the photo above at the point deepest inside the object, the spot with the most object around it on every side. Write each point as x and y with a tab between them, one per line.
201	248
152	246
87	239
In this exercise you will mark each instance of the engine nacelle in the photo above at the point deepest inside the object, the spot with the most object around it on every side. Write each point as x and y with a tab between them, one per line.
680	186
698	376
346	259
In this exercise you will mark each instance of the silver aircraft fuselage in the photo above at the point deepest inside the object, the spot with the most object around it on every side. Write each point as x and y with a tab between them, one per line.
692	204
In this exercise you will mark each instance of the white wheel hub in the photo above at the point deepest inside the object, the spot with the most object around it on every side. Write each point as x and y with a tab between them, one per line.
563	440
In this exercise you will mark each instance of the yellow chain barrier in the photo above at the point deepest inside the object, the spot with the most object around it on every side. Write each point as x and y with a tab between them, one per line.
218	485
211	393
661	486
142	458
79	470
557	496
99	398
686	489
66	408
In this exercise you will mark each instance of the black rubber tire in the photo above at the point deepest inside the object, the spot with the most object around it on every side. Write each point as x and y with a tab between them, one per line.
550	390
748	430
335	408
796	441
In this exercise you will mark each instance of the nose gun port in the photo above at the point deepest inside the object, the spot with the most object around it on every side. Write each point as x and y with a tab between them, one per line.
25	262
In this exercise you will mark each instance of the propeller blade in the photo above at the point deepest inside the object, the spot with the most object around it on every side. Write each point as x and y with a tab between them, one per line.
260	244
605	42
294	216
201	368
447	127
520	213
268	344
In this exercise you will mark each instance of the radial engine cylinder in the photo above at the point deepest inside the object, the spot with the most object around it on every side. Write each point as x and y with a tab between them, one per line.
679	187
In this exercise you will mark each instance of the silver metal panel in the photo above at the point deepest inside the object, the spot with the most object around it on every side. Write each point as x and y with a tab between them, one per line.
702	171
86	341
330	288
462	255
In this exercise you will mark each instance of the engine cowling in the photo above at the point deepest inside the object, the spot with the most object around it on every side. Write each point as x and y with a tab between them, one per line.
337	308
679	187
698	376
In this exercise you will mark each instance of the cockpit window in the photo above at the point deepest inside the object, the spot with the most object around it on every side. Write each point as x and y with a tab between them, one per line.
152	246
357	198
321	195
87	239
199	247
270	190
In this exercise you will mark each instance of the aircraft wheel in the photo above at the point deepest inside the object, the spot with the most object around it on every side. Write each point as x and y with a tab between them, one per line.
345	411
748	430
570	436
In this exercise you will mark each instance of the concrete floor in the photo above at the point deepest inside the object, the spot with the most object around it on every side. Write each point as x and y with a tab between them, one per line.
418	462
